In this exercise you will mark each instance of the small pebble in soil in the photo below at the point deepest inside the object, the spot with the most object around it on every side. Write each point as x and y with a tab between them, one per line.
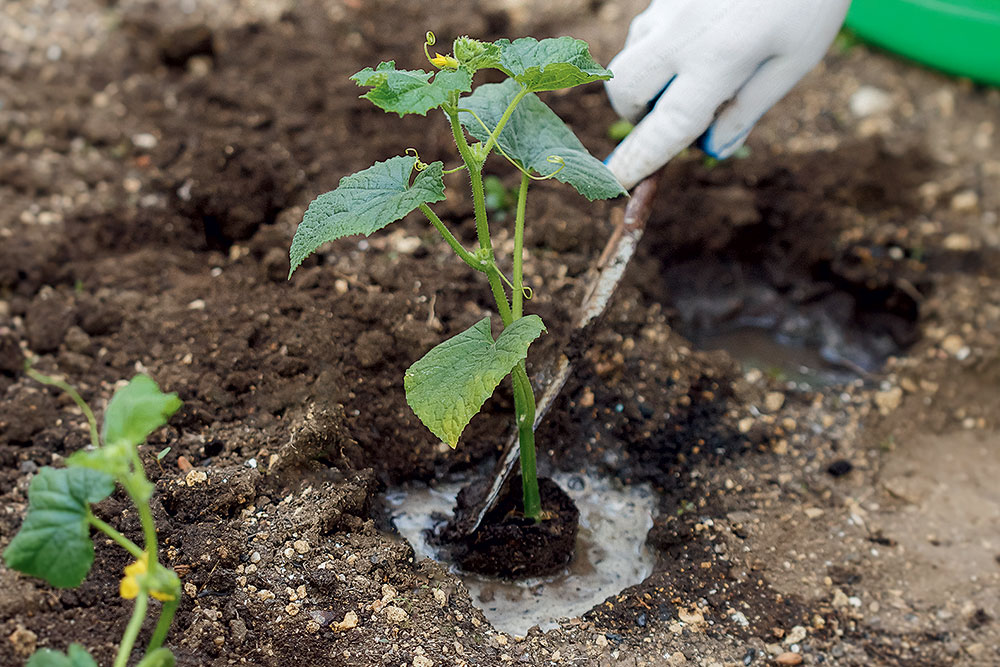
350	621
395	614
796	635
773	401
750	656
788	658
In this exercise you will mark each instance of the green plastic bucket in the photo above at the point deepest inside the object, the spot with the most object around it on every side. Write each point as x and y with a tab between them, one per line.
957	36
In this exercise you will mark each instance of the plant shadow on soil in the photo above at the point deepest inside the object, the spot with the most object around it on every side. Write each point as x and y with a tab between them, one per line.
294	422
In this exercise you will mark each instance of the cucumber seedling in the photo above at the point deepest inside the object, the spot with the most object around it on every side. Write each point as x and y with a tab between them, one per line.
450	384
54	541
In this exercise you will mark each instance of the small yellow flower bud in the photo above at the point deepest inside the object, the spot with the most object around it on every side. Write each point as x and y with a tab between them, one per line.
129	586
444	61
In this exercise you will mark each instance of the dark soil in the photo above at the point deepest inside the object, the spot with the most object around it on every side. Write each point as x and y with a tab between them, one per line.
509	545
152	173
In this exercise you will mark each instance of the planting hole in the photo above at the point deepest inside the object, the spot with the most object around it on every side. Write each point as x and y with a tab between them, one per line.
611	552
790	264
813	334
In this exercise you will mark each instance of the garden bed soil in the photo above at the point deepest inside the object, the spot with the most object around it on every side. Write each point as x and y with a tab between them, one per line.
155	158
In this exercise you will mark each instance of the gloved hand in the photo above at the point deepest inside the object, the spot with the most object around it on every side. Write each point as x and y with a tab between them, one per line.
691	57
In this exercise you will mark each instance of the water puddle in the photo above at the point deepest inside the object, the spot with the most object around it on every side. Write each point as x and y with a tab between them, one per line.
813	335
785	360
611	551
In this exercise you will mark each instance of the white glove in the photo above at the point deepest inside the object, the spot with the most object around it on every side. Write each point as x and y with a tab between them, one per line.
690	57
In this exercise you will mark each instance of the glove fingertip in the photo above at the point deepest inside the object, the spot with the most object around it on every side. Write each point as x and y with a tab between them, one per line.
721	147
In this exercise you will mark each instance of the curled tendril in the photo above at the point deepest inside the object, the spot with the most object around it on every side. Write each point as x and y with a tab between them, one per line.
439	61
505	278
429	41
527	292
417	164
552	159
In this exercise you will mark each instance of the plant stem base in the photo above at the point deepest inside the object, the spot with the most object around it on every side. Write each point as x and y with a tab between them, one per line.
509	545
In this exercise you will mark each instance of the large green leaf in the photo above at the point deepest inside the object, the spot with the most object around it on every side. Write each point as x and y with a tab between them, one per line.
411	91
365	202
54	541
77	656
549	64
136	410
448	386
535	133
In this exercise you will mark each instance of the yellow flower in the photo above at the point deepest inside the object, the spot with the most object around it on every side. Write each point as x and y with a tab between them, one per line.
444	61
129	586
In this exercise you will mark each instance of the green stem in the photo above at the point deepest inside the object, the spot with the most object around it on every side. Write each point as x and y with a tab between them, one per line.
524	398
482	222
524	407
87	412
455	244
120	539
517	295
499	295
136	485
132	630
163	625
149	532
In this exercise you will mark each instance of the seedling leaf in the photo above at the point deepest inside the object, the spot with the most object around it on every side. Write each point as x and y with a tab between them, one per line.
76	656
136	410
115	460
535	133
411	91
448	386
54	541
550	64
366	202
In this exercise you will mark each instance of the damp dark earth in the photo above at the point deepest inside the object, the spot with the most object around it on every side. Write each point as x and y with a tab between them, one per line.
794	390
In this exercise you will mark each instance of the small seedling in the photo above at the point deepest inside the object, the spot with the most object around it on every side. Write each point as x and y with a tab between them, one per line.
54	541
449	385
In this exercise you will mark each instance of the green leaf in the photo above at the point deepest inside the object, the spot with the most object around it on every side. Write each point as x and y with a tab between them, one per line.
115	460
161	657
54	541
410	91
550	64
533	134
366	202
77	657
448	386
136	410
